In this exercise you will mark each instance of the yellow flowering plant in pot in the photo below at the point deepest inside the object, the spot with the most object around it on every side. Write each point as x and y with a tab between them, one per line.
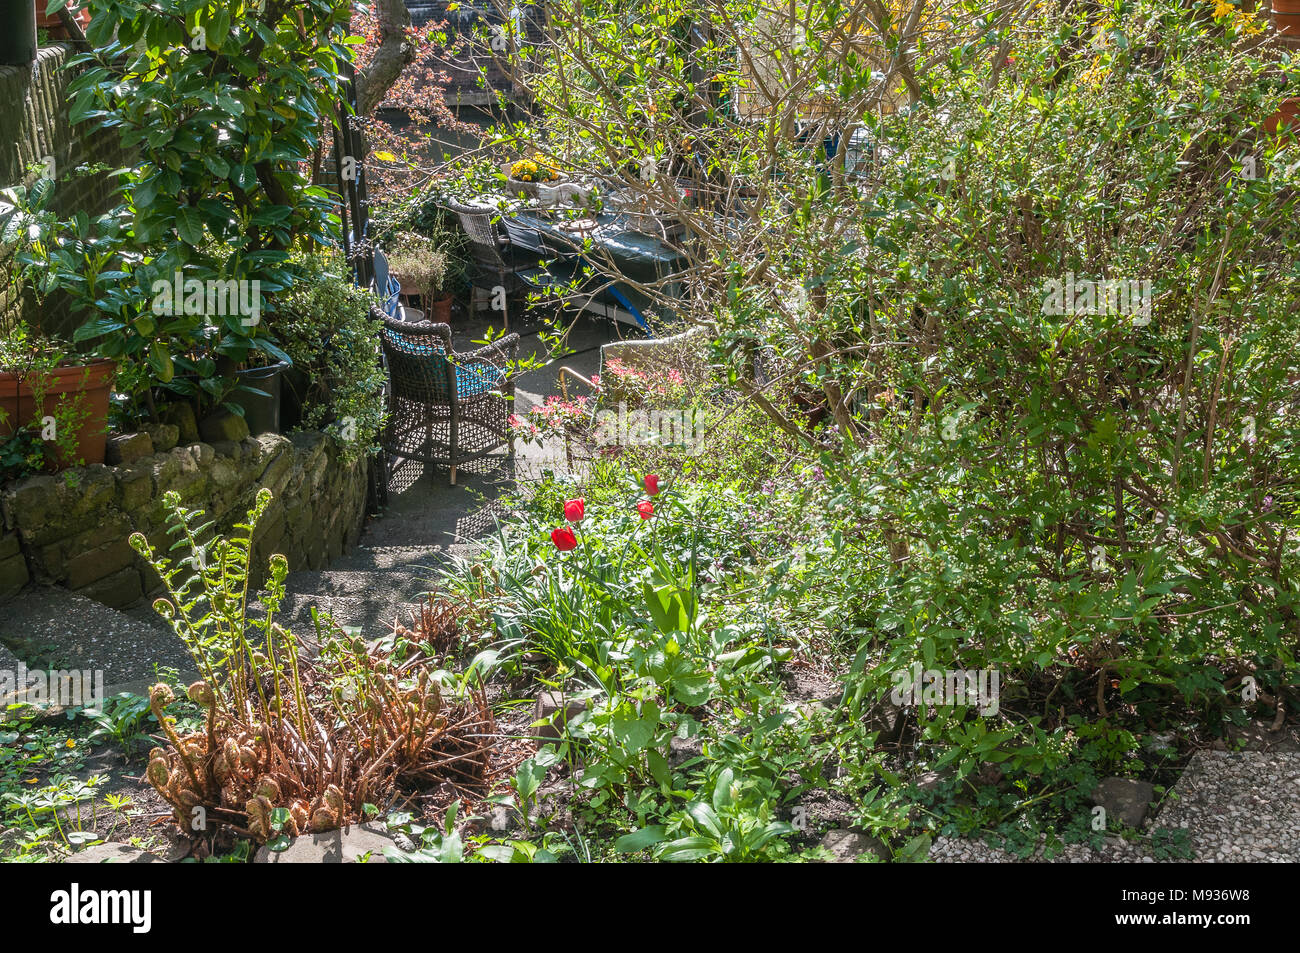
524	175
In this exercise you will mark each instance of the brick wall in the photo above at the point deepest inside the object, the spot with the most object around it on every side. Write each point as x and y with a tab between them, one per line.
33	125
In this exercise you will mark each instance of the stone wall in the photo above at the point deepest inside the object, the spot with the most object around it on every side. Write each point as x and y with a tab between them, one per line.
33	125
70	529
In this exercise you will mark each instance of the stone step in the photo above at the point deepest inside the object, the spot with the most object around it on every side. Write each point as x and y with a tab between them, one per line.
48	627
371	599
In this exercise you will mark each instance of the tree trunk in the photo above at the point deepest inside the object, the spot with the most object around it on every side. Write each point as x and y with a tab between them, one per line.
392	56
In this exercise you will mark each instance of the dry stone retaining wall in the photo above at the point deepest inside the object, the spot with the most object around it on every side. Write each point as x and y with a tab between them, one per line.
70	529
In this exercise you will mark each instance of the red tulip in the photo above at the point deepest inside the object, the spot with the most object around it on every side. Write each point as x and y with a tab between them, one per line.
646	509
573	509
564	539
651	482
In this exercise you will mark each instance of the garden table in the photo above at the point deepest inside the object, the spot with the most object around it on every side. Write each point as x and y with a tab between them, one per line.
609	243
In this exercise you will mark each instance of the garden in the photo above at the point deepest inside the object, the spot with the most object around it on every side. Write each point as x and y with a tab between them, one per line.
885	414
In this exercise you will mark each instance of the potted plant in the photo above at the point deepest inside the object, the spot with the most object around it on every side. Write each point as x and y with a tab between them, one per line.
524	175
47	18
1286	119
327	326
53	405
422	268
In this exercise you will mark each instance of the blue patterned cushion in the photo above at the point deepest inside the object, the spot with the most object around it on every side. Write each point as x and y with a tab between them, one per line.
472	379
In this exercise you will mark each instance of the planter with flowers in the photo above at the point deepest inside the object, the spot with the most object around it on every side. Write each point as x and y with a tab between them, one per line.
53	406
524	176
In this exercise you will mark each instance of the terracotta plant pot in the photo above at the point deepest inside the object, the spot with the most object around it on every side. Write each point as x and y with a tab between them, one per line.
1286	119
440	309
1286	17
54	25
91	382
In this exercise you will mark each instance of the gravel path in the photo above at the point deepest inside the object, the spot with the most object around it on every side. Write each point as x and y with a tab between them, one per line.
1235	807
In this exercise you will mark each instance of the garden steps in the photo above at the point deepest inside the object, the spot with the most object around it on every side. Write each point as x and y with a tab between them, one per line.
49	627
370	587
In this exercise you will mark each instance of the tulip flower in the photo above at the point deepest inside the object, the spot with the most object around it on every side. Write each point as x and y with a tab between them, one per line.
564	539
573	509
651	482
646	509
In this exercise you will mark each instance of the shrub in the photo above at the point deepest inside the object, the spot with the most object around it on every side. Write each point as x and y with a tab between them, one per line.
326	327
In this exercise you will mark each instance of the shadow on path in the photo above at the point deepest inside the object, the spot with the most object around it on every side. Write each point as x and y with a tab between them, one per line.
426	518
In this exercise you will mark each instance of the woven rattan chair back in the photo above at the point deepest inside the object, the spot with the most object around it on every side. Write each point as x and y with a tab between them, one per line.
418	365
484	239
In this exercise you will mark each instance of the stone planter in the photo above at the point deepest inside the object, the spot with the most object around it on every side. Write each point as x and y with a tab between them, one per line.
520	187
530	189
89	384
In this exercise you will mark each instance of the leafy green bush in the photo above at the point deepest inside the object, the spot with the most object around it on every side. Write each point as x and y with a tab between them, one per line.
326	327
1093	497
223	107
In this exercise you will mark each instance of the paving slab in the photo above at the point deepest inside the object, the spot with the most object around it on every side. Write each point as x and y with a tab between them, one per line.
361	843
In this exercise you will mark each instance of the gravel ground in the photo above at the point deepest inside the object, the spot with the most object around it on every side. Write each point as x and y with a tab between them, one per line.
1235	807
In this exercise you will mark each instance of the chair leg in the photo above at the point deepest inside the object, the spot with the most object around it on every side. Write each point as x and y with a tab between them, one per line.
453	474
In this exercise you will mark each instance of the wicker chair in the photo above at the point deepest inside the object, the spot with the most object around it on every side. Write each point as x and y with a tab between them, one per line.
445	407
494	265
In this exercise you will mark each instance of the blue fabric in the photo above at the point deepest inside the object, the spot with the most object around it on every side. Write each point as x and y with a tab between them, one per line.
472	379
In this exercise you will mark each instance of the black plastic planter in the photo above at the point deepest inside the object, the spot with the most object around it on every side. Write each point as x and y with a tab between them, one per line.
294	387
261	410
17	32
